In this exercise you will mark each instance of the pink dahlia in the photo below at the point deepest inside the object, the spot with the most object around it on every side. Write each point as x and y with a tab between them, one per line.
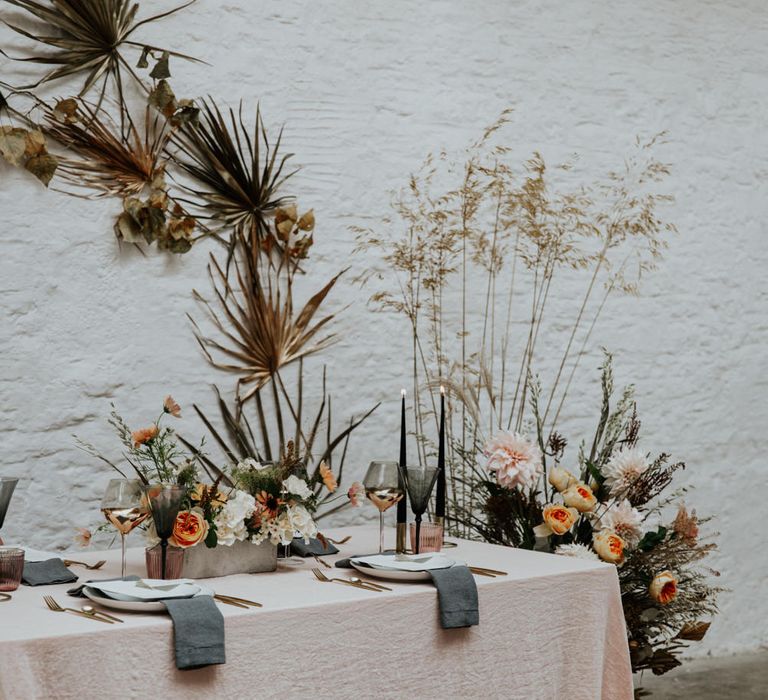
515	460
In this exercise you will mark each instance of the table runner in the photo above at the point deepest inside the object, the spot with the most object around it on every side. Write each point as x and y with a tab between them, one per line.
553	627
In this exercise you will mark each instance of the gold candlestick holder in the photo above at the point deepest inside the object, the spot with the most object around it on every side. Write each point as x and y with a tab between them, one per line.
400	544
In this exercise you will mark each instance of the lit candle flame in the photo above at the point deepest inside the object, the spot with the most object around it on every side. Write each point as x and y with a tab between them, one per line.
402	393
442	390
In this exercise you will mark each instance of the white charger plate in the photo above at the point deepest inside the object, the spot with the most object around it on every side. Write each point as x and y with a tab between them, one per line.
134	605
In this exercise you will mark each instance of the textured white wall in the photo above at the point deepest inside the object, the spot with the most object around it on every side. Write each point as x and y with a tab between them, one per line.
366	89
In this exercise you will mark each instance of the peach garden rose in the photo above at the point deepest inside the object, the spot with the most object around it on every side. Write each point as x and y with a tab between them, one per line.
663	588
609	547
190	528
580	497
557	520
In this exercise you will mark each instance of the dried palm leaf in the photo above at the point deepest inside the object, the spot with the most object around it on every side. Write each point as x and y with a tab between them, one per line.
260	333
239	174
105	160
89	37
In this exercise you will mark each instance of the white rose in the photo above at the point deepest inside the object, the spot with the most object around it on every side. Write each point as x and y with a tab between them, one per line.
298	487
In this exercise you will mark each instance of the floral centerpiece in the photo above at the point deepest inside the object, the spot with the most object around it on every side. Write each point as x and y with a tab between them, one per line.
249	508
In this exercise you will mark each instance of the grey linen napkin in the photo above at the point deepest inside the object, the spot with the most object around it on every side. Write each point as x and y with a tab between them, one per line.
198	627
457	591
77	591
315	546
456	594
46	573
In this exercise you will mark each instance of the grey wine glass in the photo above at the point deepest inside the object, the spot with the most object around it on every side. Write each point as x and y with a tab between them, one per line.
419	482
383	489
7	486
165	502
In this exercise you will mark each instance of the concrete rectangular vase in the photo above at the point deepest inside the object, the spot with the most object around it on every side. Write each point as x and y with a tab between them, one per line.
240	558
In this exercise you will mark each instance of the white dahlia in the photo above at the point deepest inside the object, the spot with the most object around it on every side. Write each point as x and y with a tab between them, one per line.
624	520
623	469
577	551
515	459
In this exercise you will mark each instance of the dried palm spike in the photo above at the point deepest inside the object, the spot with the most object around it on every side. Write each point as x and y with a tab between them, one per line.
238	175
260	333
89	36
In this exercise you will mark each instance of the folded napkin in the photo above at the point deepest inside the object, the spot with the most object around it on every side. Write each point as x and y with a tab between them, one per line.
457	593
315	546
45	573
345	563
198	627
77	591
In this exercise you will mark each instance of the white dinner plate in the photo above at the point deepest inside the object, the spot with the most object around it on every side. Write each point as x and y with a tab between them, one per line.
133	605
146	590
408	568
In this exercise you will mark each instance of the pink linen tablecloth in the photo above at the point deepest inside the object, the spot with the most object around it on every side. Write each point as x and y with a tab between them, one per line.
552	628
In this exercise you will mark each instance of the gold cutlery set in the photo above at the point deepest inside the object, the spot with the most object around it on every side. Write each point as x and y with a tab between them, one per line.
236	602
90	567
86	611
354	582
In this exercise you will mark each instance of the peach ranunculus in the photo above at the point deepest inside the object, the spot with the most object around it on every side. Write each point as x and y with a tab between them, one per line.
190	528
609	547
580	497
663	588
170	406
557	520
144	435
561	478
329	480
83	536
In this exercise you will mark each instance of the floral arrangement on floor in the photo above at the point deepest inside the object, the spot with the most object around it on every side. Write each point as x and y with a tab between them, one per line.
483	259
612	506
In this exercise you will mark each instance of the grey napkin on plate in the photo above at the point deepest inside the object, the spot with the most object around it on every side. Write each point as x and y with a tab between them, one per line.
344	563
46	573
315	546
198	628
77	591
457	593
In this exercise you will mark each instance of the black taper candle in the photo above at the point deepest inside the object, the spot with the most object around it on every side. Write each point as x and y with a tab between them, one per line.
402	506
440	495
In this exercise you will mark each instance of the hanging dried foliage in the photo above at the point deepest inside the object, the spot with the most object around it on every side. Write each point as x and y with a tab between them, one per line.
90	37
130	166
259	331
237	173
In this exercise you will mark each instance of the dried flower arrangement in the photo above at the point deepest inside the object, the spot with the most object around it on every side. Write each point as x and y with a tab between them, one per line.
504	235
102	147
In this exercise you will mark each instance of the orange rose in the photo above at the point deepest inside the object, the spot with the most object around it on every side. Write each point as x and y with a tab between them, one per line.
663	588
190	528
328	478
580	497
557	520
144	435
609	547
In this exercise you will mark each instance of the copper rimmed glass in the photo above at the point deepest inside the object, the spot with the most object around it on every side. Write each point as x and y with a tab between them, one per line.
11	568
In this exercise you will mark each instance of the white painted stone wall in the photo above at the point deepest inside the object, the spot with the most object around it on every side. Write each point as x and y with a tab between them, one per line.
366	90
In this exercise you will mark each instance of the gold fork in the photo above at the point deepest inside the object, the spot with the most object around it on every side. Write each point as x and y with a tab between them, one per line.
53	605
90	567
322	561
320	576
239	602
